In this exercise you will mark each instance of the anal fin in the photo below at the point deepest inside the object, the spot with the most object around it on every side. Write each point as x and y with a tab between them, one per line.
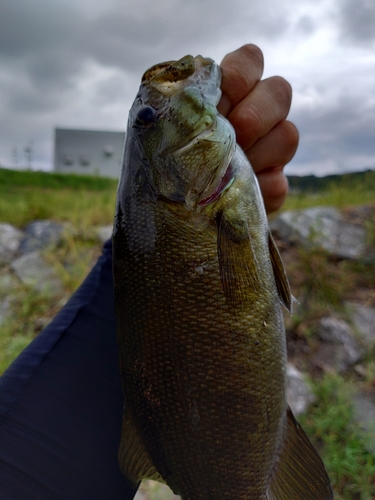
299	473
135	462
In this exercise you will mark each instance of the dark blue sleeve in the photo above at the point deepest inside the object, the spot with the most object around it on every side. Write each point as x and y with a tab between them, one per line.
61	404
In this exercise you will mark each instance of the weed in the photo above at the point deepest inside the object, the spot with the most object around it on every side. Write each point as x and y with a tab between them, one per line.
318	282
330	426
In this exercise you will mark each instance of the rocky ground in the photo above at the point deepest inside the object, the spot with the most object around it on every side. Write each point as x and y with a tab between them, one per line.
330	259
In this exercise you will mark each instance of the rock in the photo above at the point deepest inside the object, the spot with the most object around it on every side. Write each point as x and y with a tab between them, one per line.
369	258
364	415
153	490
338	350
298	393
363	319
322	227
4	309
104	232
10	238
41	234
7	283
32	270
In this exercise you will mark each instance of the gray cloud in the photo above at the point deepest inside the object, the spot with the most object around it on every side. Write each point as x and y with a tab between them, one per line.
340	133
357	21
305	26
78	63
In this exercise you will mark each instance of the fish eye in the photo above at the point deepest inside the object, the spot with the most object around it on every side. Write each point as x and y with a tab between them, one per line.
146	115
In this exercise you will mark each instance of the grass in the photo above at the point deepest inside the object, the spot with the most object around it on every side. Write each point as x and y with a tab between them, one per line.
342	445
341	193
321	284
84	201
53	180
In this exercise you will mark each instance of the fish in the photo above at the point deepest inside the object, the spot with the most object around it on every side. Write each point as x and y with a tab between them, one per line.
198	285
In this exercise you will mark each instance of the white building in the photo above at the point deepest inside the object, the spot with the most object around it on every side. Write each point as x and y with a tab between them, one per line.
91	152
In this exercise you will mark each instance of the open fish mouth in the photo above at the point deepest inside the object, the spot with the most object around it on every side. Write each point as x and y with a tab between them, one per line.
171	77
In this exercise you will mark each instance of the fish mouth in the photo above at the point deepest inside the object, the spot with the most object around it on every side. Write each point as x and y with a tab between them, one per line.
173	76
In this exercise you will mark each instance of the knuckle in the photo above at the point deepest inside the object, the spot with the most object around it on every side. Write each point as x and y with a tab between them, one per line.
239	79
291	139
248	124
280	190
252	52
282	90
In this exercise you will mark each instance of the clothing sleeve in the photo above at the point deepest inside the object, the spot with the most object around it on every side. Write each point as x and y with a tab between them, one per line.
61	404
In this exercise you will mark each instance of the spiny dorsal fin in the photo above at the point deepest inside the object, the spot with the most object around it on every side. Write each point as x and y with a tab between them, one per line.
135	462
282	282
299	473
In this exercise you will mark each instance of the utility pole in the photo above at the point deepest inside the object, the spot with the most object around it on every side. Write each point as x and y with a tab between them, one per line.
29	154
15	157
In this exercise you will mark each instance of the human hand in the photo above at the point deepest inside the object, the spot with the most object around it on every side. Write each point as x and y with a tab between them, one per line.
257	110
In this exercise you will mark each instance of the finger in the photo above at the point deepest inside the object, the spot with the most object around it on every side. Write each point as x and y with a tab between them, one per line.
260	111
241	70
274	187
275	149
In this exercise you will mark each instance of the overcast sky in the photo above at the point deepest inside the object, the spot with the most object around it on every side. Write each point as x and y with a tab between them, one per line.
78	64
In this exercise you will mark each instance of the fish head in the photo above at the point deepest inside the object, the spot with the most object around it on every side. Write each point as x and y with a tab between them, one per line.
182	141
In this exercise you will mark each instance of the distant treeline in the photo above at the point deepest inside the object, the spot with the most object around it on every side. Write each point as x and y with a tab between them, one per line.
313	183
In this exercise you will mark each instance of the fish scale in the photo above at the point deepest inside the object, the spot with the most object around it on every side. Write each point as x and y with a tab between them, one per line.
198	284
197	346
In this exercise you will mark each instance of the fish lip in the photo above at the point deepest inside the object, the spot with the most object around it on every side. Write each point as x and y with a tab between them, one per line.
207	132
171	87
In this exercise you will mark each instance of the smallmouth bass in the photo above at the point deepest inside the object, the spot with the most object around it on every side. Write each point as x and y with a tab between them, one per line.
198	284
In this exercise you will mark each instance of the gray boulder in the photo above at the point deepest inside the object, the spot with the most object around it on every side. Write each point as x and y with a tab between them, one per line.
10	239
363	319
4	309
338	349
41	234
322	227
8	285
364	415
32	270
298	393
104	232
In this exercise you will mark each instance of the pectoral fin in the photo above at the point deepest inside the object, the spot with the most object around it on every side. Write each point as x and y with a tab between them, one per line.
238	264
282	282
299	473
135	462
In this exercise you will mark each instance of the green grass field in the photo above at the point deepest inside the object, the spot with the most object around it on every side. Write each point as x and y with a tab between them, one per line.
83	200
87	202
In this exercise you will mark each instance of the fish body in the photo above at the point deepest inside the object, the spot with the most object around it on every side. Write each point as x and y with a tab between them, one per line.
198	284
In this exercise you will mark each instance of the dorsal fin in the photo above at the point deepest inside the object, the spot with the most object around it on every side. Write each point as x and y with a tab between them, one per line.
299	473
